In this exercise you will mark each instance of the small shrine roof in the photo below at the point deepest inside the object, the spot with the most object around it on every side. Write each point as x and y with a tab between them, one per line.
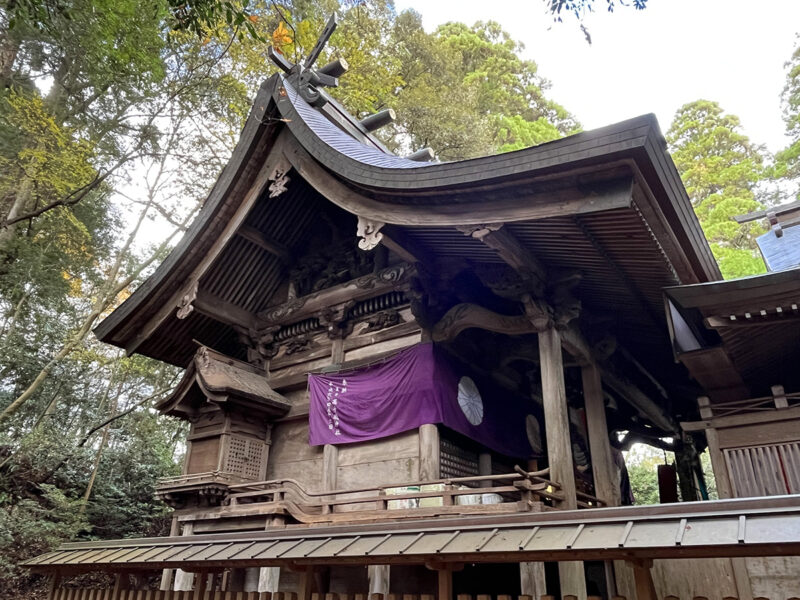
754	320
221	379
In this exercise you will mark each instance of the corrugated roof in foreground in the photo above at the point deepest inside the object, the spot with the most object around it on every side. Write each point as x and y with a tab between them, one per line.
748	527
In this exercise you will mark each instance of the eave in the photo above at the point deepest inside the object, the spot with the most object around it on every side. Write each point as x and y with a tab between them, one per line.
748	333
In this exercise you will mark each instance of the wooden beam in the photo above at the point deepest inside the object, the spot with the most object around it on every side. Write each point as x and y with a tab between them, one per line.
517	256
224	311
368	286
768	416
251	234
599	443
399	242
752	319
715	372
638	399
466	315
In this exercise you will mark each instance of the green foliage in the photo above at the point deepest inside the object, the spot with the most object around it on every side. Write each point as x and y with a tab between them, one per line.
31	526
787	161
721	170
516	133
642	463
579	8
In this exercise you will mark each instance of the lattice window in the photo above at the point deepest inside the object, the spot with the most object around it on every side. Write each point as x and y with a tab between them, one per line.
456	461
246	457
770	470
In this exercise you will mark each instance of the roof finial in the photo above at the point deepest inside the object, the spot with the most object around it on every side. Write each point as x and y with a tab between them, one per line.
309	79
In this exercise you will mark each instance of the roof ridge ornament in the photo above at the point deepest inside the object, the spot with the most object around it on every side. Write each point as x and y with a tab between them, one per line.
309	79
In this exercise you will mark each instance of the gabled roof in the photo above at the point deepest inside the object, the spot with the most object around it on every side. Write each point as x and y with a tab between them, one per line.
580	174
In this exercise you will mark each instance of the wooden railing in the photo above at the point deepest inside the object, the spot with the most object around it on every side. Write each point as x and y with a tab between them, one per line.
213	476
106	594
511	492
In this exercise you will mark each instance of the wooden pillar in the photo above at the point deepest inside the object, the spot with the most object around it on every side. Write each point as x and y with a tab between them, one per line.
724	490
429	464
645	588
532	579
603	472
559	446
485	468
184	581
445	584
556	417
166	574
236	580
605	485
378	576
269	579
330	466
337	350
251	577
306	584
200	586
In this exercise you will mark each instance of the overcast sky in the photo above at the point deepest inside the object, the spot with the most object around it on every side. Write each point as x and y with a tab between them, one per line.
652	61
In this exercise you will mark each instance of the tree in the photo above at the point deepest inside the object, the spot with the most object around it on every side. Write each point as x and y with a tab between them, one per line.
788	160
721	170
642	462
579	8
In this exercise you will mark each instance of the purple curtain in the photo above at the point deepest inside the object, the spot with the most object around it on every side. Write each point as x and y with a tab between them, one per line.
414	387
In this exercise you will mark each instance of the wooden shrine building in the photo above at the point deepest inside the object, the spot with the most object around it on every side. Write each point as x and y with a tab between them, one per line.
411	377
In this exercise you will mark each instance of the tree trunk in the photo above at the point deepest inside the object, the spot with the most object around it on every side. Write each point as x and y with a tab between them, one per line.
106	430
9	47
21	200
